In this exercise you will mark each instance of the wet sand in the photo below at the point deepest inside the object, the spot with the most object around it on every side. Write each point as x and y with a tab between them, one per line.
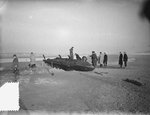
102	90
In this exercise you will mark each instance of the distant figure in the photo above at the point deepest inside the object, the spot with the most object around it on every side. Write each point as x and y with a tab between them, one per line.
84	58
94	58
71	53
59	56
77	56
120	59
125	59
15	66
105	59
99	59
44	57
32	60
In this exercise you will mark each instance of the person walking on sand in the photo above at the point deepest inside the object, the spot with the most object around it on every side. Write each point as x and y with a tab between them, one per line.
32	60
105	59
15	66
71	53
94	58
99	59
120	59
125	59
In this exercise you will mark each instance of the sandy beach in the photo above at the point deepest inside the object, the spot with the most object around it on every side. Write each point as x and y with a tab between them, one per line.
108	90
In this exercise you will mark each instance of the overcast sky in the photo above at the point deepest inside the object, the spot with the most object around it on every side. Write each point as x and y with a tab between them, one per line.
55	26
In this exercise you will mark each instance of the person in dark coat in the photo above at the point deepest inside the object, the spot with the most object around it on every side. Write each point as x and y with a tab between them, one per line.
71	53
15	66
120	59
125	59
99	59
94	58
105	59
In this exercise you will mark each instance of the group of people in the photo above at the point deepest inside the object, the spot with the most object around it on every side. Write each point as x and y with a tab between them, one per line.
98	59
94	57
15	64
123	59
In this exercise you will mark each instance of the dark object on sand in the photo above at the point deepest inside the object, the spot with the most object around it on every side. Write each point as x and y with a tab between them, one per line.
133	82
32	65
68	64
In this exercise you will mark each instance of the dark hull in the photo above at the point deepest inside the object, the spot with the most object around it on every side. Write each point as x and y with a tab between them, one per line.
68	65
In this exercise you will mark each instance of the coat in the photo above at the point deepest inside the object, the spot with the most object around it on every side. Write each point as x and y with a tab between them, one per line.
120	59
125	58
15	63
105	58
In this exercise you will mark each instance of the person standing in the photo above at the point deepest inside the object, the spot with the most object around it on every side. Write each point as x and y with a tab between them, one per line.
15	66
71	53
105	59
32	60
99	59
125	59
94	58
120	59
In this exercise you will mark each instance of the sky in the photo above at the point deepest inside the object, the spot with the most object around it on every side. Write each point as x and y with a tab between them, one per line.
55	26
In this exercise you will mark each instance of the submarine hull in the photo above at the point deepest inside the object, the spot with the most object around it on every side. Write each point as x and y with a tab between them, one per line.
67	64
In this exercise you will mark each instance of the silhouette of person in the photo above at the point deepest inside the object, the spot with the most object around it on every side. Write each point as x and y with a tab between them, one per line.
94	58
59	56
99	58
44	57
120	59
71	53
105	59
125	59
15	66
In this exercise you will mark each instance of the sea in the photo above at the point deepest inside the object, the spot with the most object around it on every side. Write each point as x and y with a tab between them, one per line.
112	59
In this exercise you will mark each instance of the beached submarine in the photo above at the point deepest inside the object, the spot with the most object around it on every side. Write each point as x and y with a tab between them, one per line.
68	64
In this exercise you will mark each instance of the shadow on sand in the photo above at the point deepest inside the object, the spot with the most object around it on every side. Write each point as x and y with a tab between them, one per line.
111	67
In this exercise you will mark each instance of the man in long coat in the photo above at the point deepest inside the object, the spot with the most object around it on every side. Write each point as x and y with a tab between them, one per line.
71	53
94	58
105	59
120	59
125	59
15	66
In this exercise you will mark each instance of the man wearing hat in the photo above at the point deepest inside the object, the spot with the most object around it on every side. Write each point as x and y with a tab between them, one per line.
94	58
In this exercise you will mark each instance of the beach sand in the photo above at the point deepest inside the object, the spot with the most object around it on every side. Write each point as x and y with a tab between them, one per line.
109	90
